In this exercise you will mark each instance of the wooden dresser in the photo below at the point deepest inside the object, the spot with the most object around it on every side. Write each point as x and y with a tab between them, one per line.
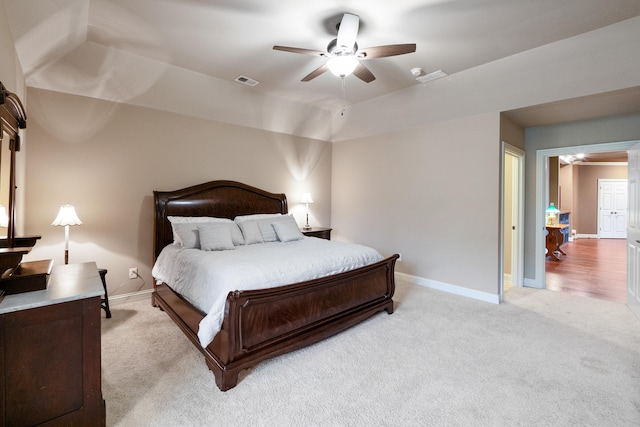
50	352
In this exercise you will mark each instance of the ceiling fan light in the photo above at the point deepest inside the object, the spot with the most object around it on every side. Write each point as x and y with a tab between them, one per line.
342	66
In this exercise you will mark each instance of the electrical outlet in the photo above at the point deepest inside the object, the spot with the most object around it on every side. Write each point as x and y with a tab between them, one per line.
399	257
133	273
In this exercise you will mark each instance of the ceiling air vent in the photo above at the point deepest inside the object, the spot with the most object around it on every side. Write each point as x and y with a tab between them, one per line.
246	81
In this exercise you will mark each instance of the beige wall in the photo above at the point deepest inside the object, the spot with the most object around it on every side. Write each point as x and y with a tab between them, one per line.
587	222
511	132
12	78
554	181
106	159
10	72
566	187
430	194
566	180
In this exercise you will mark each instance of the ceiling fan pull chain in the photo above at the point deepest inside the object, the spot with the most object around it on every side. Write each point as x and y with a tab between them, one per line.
344	96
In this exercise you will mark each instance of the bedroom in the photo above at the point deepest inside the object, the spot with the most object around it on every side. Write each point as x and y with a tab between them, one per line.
105	157
376	174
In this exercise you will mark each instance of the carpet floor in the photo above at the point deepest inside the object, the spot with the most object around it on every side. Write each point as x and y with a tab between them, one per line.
542	358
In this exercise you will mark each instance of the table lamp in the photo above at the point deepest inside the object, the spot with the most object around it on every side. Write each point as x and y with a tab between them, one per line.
552	214
306	199
66	216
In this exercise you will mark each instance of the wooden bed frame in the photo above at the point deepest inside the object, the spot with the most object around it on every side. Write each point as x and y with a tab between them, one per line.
261	324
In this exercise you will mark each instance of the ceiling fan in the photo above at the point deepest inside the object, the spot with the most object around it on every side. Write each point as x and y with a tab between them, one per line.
343	53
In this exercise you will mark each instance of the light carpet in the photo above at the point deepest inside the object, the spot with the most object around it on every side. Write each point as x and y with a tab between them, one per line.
542	358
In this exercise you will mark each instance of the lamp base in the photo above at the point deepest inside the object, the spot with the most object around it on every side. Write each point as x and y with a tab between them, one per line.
307	227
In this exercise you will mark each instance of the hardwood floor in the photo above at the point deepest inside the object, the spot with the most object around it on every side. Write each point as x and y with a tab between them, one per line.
595	268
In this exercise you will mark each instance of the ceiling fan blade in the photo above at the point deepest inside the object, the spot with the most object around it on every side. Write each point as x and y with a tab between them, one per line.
363	73
384	51
315	73
348	31
300	50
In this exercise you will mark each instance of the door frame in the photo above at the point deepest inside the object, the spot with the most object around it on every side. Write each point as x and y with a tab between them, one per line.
517	247
542	179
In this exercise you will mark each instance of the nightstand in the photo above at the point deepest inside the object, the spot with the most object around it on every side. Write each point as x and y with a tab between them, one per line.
320	232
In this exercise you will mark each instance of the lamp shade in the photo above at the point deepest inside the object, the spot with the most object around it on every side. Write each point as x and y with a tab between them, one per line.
306	198
552	209
66	216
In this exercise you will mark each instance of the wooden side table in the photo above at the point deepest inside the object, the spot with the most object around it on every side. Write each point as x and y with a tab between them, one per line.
555	239
320	232
104	302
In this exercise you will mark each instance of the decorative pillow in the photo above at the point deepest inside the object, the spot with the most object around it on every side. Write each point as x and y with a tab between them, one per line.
250	232
262	223
186	235
194	221
215	237
241	218
236	234
266	229
287	229
255	217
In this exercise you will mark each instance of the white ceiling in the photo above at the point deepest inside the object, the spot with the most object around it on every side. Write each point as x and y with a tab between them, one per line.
61	43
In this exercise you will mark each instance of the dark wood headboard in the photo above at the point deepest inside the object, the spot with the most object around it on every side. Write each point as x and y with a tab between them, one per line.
222	199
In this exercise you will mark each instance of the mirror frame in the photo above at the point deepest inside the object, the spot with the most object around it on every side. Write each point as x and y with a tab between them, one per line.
12	118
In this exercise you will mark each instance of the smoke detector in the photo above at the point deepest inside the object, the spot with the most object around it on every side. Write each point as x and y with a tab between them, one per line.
422	77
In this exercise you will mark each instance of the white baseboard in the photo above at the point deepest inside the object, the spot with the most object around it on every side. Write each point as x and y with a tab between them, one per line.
531	283
131	296
452	289
586	236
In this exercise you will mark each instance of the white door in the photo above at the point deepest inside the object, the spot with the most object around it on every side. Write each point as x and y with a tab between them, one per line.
512	218
612	208
633	231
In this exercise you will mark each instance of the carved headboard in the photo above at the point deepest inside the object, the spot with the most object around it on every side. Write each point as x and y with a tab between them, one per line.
223	199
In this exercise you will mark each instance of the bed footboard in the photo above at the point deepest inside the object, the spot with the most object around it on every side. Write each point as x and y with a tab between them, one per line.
261	324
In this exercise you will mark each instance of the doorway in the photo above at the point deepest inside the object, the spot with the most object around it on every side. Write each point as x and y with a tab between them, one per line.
512	218
542	195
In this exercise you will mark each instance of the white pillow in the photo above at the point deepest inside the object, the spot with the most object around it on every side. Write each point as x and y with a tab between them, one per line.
262	223
215	237
186	235
287	229
252	217
192	224
250	232
187	219
266	229
234	230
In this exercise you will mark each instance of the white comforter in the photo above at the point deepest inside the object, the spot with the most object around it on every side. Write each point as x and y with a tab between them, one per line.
205	278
